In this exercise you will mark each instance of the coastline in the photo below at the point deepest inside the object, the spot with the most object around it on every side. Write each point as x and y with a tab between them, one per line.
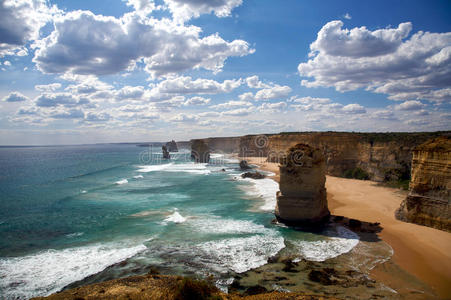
419	251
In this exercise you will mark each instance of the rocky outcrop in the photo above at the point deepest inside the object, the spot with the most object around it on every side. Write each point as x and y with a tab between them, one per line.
244	165
172	146
165	151
429	199
302	196
200	152
253	175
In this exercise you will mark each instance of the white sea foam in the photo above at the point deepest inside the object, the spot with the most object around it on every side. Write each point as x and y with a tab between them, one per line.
138	176
83	192
264	189
241	253
122	181
47	272
217	225
244	253
337	241
75	234
190	167
153	168
176	217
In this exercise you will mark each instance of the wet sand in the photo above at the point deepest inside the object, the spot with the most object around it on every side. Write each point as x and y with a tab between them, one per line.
418	250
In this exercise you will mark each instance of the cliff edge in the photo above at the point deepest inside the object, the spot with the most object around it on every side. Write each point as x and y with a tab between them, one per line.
428	202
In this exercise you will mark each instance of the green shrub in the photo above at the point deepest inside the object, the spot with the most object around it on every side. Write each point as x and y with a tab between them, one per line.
192	289
356	173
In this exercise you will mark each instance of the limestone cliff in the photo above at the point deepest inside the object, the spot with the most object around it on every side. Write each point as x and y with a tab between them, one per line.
302	196
200	152
429	199
382	156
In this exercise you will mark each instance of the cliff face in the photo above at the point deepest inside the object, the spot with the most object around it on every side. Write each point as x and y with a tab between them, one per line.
378	156
302	196
381	156
429	200
200	152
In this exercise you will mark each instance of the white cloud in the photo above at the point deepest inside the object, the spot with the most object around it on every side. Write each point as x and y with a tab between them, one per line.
57	99
145	6
246	96
231	104
383	61
347	16
67	114
197	101
15	97
130	93
7	63
274	92
354	108
183	10
186	85
47	87
97	117
255	83
184	118
272	107
410	105
238	112
20	23
84	43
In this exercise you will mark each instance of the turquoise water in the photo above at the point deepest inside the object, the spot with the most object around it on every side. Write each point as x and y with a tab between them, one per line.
81	214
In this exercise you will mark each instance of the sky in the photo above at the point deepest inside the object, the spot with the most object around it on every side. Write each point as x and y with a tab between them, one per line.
76	72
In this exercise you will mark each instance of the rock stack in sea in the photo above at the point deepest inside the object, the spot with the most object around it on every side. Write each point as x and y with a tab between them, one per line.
166	154
428	202
302	196
200	152
172	146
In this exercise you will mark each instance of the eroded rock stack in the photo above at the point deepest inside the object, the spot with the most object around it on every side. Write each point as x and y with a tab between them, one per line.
302	196
428	202
200	152
172	146
166	154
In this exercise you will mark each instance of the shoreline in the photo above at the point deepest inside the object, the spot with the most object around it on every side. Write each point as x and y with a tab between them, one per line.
420	252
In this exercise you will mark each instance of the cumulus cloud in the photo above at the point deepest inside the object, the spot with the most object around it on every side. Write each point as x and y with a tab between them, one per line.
186	85
57	99
347	16
183	10
231	104
47	87
197	101
410	105
67	114
15	97
130	93
184	118
20	23
238	112
274	92
97	117
255	83
272	107
84	43
384	61
354	108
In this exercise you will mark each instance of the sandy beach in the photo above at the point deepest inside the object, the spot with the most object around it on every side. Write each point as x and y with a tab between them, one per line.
418	250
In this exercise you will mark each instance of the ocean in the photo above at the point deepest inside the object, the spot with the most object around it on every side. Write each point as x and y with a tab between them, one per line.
71	215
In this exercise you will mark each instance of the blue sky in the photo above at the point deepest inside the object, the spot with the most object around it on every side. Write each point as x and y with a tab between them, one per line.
140	70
